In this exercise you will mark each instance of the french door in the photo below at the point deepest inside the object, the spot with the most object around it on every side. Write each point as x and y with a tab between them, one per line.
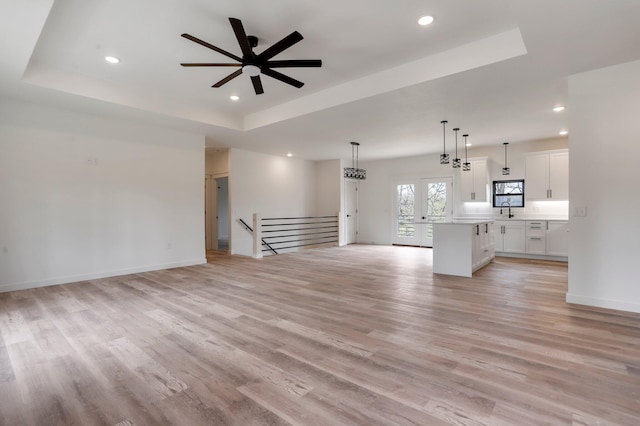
419	203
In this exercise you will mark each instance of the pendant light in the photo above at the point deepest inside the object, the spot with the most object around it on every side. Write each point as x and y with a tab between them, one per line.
444	157
354	172
456	160
505	170
466	166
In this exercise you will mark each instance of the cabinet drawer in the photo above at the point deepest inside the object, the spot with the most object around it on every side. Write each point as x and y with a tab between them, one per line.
536	245
536	228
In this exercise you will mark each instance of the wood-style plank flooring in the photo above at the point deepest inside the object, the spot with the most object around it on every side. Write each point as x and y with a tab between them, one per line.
358	335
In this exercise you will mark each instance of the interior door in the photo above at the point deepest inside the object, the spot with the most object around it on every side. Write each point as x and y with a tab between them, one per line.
351	211
436	205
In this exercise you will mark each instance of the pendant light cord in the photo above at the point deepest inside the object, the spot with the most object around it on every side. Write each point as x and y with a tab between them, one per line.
466	160
444	136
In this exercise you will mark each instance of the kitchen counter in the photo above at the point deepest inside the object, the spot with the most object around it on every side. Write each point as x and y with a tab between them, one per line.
548	218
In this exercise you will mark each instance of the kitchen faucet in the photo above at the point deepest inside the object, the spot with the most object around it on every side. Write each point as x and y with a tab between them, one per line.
509	205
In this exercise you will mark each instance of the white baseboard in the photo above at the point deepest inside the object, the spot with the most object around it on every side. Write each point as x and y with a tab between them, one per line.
533	256
603	303
93	276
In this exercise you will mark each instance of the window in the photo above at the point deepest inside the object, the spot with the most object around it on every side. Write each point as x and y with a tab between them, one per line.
508	193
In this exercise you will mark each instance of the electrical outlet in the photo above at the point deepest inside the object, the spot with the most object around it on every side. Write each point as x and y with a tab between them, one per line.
580	212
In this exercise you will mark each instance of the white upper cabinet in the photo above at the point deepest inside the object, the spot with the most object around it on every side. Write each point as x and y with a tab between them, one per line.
547	176
474	183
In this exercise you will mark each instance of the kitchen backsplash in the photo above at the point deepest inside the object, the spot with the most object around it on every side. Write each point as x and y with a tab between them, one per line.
532	209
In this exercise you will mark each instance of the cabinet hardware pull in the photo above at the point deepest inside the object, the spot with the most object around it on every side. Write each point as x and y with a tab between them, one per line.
551	193
486	228
477	229
535	238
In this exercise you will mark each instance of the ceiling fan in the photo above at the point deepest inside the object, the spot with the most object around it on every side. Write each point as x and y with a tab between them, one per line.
255	64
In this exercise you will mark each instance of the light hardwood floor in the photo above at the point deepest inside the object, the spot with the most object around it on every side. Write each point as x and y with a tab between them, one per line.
359	335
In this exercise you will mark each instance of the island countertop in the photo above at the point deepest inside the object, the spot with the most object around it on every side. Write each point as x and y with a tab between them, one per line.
461	222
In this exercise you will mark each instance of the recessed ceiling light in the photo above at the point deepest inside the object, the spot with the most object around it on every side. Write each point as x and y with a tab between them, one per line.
563	132
425	20
559	108
289	154
111	59
234	97
468	144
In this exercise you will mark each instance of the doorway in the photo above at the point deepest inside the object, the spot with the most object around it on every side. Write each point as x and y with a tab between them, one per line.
417	204
351	211
217	213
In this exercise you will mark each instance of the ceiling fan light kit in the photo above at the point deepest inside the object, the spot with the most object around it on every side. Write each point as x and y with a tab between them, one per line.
251	70
254	64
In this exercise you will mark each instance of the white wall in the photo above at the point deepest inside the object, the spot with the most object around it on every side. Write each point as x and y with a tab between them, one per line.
270	185
376	196
605	151
85	197
328	191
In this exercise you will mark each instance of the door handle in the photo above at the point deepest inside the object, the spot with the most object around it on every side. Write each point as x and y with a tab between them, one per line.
348	215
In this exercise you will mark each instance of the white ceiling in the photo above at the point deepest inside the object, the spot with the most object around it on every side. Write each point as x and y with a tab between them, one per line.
495	68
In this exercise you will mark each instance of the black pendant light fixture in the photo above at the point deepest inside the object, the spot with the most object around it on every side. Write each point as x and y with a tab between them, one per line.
466	166
354	172
505	170
456	160
444	157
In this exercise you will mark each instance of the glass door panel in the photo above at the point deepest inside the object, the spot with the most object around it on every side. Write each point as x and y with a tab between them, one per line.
436	205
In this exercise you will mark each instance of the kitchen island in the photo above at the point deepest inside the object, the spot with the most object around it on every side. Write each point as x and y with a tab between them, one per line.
461	247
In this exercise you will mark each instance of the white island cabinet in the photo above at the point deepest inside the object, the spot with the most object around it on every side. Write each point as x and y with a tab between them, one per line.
462	247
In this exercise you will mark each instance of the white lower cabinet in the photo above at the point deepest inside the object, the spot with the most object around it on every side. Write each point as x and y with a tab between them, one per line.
536	232
461	248
509	236
557	238
483	245
536	237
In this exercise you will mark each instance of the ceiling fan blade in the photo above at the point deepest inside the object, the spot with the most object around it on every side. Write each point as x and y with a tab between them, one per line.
243	41
211	46
228	78
294	63
283	78
206	64
278	47
257	85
